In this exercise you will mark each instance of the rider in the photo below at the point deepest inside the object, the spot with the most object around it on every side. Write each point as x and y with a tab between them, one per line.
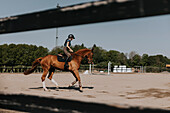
67	48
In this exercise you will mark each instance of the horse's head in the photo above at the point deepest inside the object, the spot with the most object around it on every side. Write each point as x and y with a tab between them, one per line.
85	53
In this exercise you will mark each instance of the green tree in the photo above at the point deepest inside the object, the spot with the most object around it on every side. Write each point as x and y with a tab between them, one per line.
158	60
116	57
135	60
99	55
77	47
56	50
144	60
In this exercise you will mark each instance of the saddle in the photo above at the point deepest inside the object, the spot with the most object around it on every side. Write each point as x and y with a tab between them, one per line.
63	57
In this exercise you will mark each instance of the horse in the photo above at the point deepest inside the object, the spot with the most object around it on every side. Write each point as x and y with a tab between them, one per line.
50	62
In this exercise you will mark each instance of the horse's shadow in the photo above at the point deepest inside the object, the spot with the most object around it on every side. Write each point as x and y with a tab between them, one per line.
67	88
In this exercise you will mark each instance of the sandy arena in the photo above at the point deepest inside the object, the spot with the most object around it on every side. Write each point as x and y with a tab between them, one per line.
119	90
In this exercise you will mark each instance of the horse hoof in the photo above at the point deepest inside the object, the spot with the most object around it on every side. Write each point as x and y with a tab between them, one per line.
70	86
81	89
47	90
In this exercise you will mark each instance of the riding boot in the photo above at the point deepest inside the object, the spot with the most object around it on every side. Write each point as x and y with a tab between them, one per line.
66	64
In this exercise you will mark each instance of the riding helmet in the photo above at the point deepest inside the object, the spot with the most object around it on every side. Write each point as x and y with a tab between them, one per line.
71	36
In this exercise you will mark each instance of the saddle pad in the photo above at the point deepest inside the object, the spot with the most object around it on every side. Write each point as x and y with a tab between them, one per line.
63	59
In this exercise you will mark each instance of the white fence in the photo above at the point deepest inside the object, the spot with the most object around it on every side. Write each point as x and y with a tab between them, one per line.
91	69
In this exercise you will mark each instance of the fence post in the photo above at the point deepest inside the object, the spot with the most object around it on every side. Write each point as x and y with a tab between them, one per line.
109	67
89	68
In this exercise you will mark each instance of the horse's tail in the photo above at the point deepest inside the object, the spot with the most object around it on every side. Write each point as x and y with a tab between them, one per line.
34	66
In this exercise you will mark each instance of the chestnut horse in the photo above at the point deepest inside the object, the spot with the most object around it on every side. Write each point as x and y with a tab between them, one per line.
50	62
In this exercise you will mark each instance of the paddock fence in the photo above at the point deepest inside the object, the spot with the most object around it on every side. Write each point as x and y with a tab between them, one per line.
92	69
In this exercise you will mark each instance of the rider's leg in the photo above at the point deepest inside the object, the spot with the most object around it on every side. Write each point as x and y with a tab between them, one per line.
66	63
68	56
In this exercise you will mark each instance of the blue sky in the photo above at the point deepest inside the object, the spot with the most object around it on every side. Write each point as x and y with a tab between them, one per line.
149	35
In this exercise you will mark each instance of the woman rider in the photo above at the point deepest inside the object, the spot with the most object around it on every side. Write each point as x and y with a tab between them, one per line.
67	48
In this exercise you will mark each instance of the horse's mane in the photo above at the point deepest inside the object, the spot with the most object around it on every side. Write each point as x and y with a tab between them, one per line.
80	52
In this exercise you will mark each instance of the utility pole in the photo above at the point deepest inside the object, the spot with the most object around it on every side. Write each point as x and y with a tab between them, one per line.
57	29
56	37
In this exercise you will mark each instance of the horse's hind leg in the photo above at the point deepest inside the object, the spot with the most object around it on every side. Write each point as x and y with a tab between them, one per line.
51	73
43	80
45	71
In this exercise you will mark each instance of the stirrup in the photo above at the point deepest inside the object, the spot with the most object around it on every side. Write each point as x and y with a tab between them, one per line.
66	67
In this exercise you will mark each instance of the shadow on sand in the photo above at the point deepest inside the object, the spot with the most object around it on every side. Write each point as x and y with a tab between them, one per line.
68	88
36	104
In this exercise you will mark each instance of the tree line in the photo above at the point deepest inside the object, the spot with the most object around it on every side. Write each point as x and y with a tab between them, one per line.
21	54
24	54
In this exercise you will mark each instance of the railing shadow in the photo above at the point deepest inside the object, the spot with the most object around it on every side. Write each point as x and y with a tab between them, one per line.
36	104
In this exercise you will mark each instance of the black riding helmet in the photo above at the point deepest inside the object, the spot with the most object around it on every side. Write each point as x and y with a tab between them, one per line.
71	36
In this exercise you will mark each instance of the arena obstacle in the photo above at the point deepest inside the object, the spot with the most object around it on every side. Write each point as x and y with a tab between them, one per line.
121	69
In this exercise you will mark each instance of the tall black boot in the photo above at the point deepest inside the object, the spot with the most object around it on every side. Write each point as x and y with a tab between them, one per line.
66	64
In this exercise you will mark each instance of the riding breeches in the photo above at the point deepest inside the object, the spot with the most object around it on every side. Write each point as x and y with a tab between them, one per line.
66	52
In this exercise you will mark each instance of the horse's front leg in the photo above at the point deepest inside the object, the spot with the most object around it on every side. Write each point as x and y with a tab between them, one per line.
73	81
77	76
72	84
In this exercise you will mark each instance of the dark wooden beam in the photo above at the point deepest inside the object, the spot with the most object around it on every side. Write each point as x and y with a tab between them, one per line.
85	13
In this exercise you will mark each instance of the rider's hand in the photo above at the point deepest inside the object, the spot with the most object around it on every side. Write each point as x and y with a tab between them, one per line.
71	50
